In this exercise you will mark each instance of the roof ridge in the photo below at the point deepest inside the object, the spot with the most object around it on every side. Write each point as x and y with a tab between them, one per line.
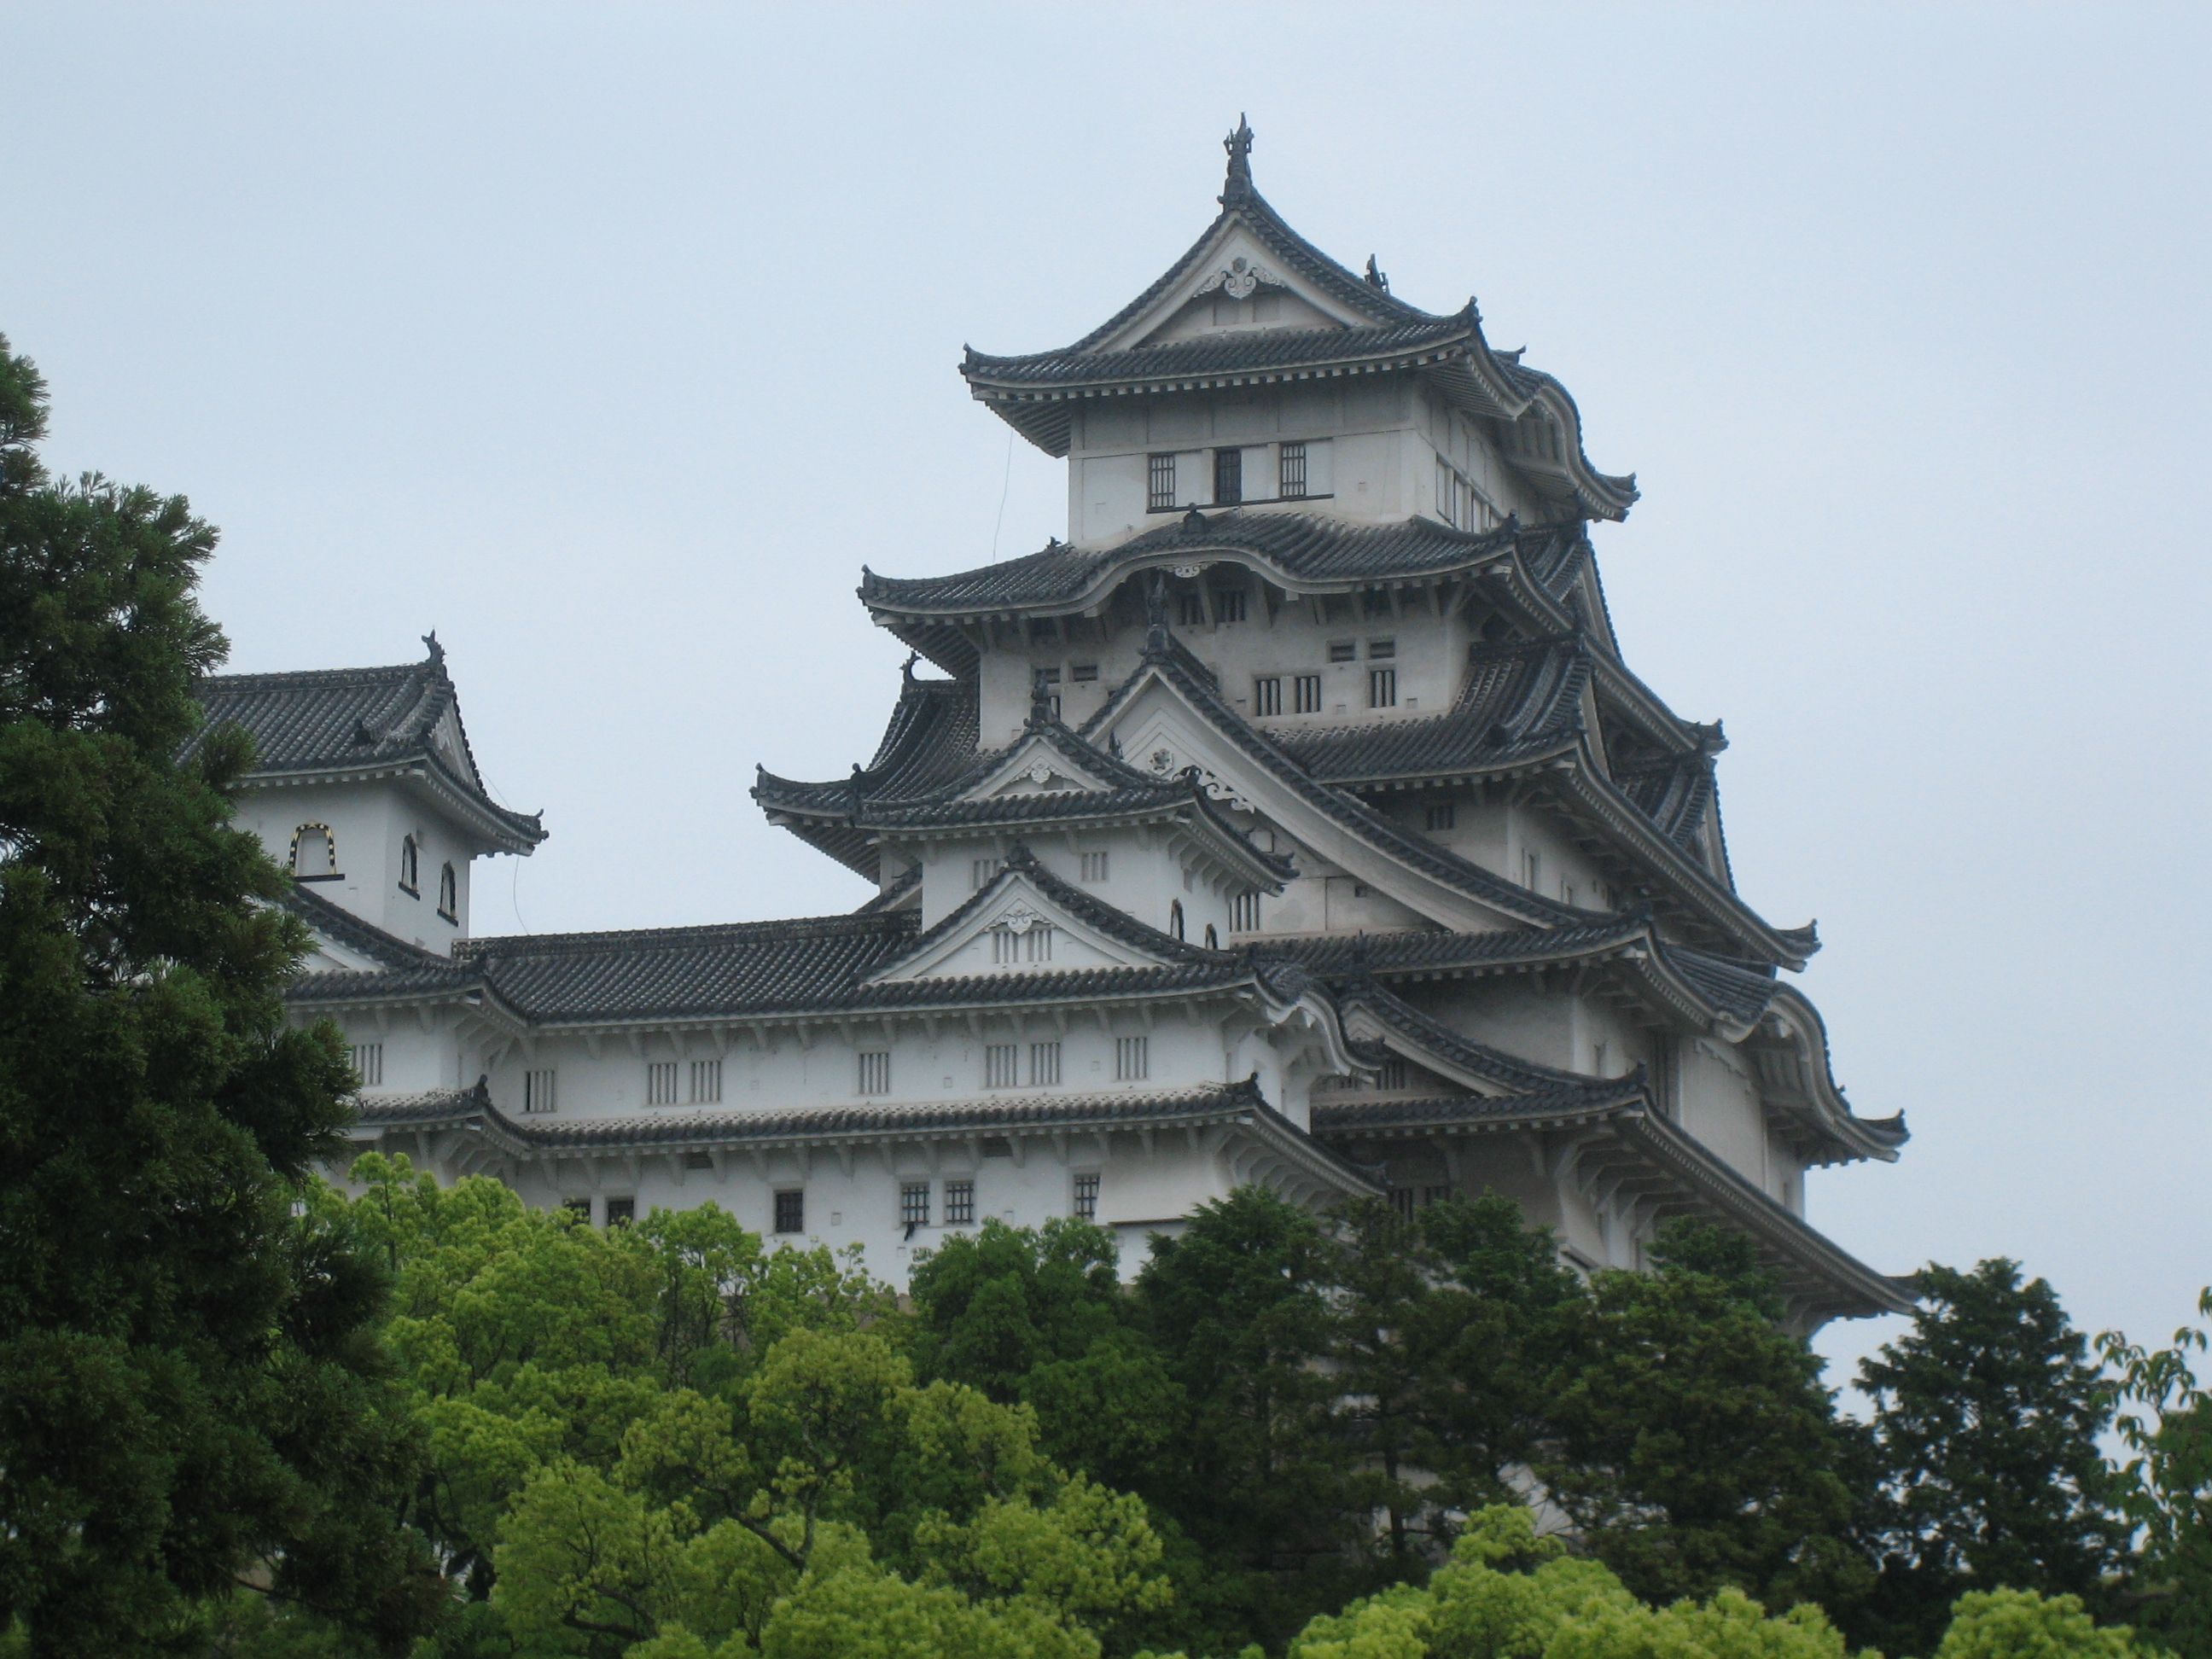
839	924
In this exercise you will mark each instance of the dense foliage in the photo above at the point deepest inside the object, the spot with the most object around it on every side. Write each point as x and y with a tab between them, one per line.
189	1377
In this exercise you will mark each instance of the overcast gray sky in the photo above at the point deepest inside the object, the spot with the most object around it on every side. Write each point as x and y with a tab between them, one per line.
612	340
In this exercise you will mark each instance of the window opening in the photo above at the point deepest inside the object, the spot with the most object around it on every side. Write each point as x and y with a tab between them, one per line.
1290	484
1132	1059
660	1082
959	1203
1094	866
449	893
621	1212
1212	938
1393	1075
1228	604
407	867
1442	814
314	852
368	1064
791	1212
1308	690
537	1089
1162	493
1244	913
706	1082
1267	695
1083	672
1380	649
1032	944
1436	1194
1086	1197
876	1074
1190	610
1375	602
914	1205
1175	917
1402	1200
1597	1059
1381	687
980	872
1044	1064
580	1207
1343	650
999	1066
698	1160
1228	477
1532	868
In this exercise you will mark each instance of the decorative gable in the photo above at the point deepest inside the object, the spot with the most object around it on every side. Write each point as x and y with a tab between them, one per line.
1015	926
1038	766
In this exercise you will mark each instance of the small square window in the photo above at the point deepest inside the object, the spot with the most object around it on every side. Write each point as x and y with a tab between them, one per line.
959	1203
982	872
914	1204
660	1084
621	1212
1086	1197
1382	649
1309	693
1094	866
706	1082
1083	672
1441	815
537	1090
1160	495
1343	650
1001	1065
1267	695
875	1074
791	1212
1044	1064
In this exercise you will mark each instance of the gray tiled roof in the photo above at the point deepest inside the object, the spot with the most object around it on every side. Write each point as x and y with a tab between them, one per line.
402	970
353	720
1219	354
1419	1031
1306	551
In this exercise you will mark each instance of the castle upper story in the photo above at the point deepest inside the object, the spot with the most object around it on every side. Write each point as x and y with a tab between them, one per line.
1259	374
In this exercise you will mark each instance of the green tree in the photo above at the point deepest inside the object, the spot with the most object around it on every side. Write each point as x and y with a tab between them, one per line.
191	1391
2165	1487
1985	1422
1692	1442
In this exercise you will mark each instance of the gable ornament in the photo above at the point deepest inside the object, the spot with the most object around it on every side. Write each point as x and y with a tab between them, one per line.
1239	277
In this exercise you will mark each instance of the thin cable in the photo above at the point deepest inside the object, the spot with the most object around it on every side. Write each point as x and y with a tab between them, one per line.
1004	484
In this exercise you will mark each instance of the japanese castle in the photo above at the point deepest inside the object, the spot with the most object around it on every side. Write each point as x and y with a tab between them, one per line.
1296	821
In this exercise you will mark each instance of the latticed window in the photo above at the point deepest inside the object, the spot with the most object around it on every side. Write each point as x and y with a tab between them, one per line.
1086	1197
1228	604
367	1063
1402	1200
1343	650
621	1212
1267	695
407	866
1393	1075
1032	944
1094	866
1291	484
1161	493
1441	816
1381	687
1244	913
706	1082
1133	1060
1190	610
660	1084
1308	689
1000	1064
537	1089
1228	477
791	1212
876	1074
1435	1195
981	871
959	1203
914	1203
1382	649
1044	1064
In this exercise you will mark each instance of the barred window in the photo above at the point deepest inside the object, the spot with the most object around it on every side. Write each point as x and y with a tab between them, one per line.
1044	1064
999	1064
1267	695
408	860
1082	671
1094	866
1244	913
1228	604
537	1090
1382	649
368	1064
1086	1197
449	893
1393	1075
1402	1200
791	1212
980	872
1032	944
1162	494
1132	1060
706	1082
1228	477
1441	815
1435	1195
1381	687
1532	868
660	1082
914	1204
621	1212
1309	693
579	1207
959	1203
1291	483
1343	650
876	1074
1190	610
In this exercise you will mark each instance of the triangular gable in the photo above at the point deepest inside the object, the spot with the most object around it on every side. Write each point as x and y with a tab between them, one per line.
1037	765
1232	263
331	955
1017	926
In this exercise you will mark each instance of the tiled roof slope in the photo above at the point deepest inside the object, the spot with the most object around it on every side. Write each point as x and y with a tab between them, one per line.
402	970
342	720
1219	354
